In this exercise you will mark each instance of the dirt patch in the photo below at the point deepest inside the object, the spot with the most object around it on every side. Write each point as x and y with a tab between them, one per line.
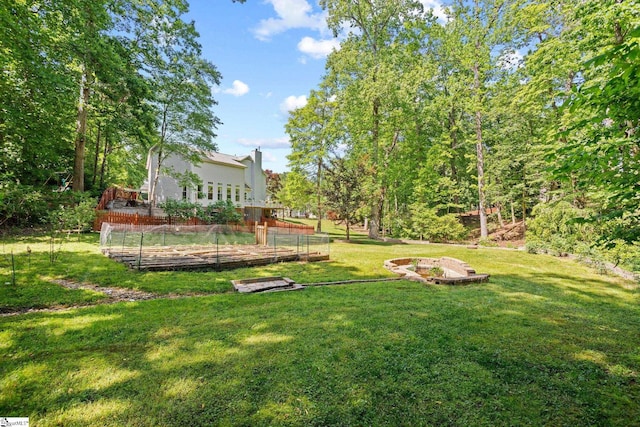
113	295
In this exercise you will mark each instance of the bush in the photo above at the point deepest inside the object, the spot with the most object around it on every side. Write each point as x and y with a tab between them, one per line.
559	227
78	217
221	212
424	223
23	206
181	209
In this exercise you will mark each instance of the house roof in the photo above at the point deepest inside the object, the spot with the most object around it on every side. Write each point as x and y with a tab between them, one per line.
224	159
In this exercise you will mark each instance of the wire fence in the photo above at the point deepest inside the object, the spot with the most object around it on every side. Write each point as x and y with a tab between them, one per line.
170	247
113	236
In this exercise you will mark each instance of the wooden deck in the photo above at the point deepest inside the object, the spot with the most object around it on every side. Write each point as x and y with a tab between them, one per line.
180	258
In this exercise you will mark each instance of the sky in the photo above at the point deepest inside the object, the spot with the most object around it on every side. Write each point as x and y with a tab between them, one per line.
271	54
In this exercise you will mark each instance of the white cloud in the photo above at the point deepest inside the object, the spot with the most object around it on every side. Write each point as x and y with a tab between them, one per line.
293	102
273	143
291	14
438	8
318	49
268	157
237	88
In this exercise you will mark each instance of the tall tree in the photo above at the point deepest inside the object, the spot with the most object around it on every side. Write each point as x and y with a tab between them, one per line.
182	81
343	190
364	68
481	27
309	128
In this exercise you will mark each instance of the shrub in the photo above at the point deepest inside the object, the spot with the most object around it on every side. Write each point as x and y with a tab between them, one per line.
425	223
22	206
181	209
78	217
559	227
221	212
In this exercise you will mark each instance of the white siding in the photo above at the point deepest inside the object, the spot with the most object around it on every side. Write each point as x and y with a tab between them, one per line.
239	173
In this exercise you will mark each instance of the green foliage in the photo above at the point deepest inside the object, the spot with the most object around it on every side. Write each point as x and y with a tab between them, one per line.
342	190
26	206
181	209
221	212
556	226
78	216
297	191
23	206
425	223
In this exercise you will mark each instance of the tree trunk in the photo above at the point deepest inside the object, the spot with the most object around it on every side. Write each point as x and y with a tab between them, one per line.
500	220
513	214
348	221
480	152
95	158
105	153
454	146
81	132
376	206
154	184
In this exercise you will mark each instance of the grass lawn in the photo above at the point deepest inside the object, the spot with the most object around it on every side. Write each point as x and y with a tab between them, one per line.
545	342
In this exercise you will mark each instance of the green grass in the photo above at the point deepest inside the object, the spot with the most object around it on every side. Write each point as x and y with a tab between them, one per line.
545	342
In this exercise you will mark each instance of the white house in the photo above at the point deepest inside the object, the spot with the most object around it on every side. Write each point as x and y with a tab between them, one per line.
222	177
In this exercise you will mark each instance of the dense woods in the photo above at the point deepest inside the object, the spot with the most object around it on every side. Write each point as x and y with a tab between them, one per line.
528	107
87	89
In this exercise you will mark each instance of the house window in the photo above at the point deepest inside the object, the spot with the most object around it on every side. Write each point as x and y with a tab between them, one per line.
210	191
219	191
184	193
228	191
200	193
237	193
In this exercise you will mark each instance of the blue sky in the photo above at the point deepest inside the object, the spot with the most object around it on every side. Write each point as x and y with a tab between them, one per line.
271	54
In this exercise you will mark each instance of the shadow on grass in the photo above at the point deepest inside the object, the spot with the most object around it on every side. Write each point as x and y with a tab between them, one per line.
364	240
34	273
516	351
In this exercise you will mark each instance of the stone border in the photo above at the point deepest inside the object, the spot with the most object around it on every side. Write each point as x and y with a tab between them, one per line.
463	273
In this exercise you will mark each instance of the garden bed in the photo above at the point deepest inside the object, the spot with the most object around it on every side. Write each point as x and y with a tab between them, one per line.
445	270
206	257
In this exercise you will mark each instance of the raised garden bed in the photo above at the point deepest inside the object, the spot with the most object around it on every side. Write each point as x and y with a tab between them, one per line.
445	270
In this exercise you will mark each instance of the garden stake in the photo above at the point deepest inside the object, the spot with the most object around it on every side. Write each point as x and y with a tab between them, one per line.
140	253
13	269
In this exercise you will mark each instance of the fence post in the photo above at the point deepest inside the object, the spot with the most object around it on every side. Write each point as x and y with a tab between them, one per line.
13	269
256	231
275	246
140	250
217	252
